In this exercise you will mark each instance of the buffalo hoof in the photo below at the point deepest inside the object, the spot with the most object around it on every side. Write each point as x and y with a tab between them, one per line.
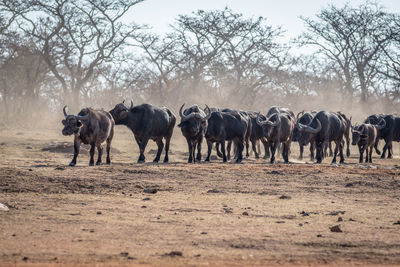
238	161
348	154
383	156
91	163
390	157
72	164
156	160
108	162
207	160
98	163
166	160
141	161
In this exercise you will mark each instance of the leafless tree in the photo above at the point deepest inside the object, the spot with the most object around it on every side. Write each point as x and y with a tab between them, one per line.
76	37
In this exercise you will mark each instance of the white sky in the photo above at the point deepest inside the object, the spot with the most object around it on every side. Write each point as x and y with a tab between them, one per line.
159	14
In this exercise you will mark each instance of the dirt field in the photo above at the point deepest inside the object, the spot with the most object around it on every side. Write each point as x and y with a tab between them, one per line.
212	214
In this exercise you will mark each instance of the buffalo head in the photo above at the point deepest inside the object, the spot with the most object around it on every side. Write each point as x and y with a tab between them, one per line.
120	112
72	123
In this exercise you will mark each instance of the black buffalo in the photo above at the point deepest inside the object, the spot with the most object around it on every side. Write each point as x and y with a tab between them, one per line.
304	118
365	136
257	134
193	126
90	126
347	121
325	127
147	122
390	133
278	128
226	126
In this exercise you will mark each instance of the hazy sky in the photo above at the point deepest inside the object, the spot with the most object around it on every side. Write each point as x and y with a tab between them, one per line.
160	13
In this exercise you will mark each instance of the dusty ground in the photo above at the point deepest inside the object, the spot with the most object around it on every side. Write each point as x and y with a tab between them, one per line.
204	214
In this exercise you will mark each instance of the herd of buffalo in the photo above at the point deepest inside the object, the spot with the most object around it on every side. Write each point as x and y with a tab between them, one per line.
275	130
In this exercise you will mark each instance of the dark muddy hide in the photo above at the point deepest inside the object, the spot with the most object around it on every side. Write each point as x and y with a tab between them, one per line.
147	122
92	127
347	122
193	126
325	127
278	129
223	127
304	118
389	133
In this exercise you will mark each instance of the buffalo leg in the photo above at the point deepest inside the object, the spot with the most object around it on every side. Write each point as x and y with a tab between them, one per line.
219	154
312	150
199	141
376	147
247	148
77	145
387	145
266	148
190	148
92	147
253	146
335	152
366	153
360	151
240	146
273	147
194	150
100	153
167	142
209	148
371	148
390	151
320	151
347	146
108	148
341	153
286	152
223	151
160	146
142	147
330	149
228	149
301	151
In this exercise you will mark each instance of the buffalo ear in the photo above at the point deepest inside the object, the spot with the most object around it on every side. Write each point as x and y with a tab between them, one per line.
123	114
64	122
364	135
79	123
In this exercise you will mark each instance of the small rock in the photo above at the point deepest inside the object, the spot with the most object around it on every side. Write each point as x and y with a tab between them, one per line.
352	220
280	222
336	229
203	233
174	253
59	168
245	213
28	147
305	213
91	230
99	213
143	207
150	191
349	185
146	199
3	207
228	210
300	224
197	255
124	254
340	219
14	235
396	223
131	258
25	258
213	191
319	235
284	197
